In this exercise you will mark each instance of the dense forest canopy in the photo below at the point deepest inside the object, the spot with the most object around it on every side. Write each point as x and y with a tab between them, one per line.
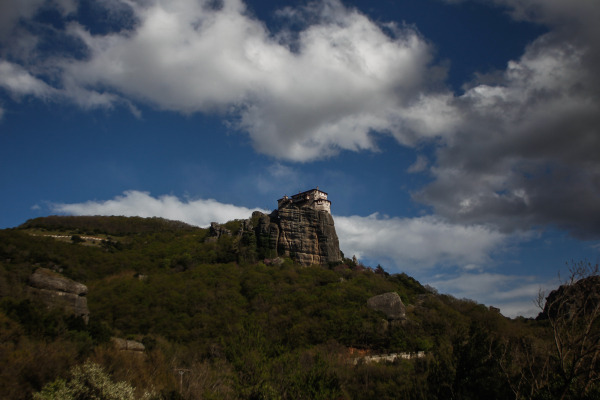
241	325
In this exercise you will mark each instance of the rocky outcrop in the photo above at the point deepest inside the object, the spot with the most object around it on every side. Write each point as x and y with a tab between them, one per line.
390	304
267	231
216	231
127	345
303	233
56	290
302	229
246	225
245	228
582	295
309	234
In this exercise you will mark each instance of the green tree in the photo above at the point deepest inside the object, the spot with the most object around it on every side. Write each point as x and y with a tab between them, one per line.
88	381
573	312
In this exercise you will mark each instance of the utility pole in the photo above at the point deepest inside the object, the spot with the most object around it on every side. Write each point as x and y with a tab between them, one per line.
181	372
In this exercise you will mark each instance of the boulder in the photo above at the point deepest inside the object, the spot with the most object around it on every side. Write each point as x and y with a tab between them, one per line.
56	290
44	278
390	304
127	345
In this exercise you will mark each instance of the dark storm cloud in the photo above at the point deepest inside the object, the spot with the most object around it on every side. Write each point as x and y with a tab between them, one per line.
525	152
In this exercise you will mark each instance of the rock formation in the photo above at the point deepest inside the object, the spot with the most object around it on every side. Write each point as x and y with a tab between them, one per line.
267	231
56	290
306	228
390	304
127	345
301	232
309	234
216	231
302	228
567	300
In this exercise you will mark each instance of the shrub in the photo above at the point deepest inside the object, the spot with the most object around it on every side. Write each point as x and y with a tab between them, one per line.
88	381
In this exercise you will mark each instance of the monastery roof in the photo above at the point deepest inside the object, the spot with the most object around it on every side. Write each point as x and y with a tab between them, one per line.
308	191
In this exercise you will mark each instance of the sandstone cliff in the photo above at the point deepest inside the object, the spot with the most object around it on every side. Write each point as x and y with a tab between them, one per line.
267	231
56	290
301	232
309	234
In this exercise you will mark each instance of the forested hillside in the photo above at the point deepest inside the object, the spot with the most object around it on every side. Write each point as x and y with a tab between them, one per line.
241	326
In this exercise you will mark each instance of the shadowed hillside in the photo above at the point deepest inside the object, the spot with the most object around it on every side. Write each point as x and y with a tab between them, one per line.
240	325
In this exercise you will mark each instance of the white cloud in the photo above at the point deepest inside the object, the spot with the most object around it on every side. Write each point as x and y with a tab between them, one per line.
414	243
20	82
513	294
12	11
198	212
419	165
299	97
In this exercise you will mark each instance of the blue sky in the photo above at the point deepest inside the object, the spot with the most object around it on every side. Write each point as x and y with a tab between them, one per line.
458	140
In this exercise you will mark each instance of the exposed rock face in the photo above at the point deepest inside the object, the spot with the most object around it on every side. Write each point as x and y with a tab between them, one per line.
309	234
216	231
302	229
390	304
583	294
267	231
56	290
128	345
247	225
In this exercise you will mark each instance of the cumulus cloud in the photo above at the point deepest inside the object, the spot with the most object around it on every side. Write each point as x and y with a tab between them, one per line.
15	10
19	82
422	242
197	212
300	96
